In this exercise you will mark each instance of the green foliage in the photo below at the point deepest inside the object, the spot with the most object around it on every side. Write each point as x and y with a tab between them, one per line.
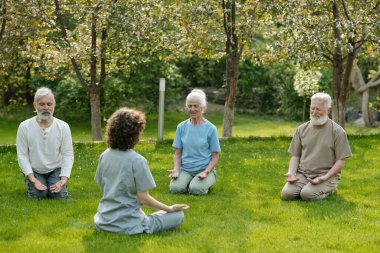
367	65
290	104
113	95
72	99
141	85
325	82
139	88
312	31
202	72
243	208
254	89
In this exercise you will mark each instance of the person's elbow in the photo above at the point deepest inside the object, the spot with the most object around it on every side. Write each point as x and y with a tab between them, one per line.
340	163
215	156
143	197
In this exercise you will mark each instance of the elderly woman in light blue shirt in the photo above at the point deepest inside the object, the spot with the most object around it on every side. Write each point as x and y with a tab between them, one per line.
197	150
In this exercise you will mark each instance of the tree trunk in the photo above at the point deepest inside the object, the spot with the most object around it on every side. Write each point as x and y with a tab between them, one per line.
232	73
344	88
232	66
4	20
358	84
96	127
337	79
93	87
378	106
228	119
304	108
342	69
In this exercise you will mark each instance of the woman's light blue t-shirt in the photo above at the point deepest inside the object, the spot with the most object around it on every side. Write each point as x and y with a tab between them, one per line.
197	143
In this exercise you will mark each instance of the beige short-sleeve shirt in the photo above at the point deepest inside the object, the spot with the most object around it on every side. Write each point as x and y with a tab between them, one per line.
319	147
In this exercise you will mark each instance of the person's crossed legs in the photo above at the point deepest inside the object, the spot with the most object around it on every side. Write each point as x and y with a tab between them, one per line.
307	191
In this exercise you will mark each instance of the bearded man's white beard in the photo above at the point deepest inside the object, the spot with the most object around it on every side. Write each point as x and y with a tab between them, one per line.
318	121
45	116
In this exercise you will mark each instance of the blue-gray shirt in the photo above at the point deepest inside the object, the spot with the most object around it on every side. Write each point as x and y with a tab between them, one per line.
121	174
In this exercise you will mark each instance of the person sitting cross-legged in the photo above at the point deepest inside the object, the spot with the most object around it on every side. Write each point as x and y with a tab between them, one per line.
125	180
319	148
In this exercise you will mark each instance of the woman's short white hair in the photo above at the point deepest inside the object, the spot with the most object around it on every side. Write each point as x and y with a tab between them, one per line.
322	96
198	95
42	92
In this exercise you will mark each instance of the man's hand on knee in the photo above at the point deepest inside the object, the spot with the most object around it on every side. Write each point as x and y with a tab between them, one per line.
36	183
316	180
290	178
57	187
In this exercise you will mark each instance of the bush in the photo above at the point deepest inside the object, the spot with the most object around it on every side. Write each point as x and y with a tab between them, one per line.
290	104
72	99
254	89
113	95
142	85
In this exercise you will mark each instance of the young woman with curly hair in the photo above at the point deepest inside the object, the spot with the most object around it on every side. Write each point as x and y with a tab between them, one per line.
125	180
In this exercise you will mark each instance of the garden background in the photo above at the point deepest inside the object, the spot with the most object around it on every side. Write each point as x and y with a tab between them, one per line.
258	61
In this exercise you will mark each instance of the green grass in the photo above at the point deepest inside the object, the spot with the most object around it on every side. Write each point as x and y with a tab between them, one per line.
242	213
245	125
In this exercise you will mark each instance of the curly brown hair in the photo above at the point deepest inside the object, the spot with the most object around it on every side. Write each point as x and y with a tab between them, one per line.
124	128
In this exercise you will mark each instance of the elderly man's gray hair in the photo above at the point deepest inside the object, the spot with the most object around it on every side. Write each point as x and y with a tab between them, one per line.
322	96
41	92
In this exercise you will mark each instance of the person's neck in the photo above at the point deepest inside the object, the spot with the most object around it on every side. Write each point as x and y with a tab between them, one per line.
45	123
197	121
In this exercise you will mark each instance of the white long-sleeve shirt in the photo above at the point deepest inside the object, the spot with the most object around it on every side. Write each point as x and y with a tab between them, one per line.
43	150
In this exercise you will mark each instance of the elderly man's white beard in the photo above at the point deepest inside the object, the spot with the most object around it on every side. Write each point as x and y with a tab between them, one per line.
45	116
318	121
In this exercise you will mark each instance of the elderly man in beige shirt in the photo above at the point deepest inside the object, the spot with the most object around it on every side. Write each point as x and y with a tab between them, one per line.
319	148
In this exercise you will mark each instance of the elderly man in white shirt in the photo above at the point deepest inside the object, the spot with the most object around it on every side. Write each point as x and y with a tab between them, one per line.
44	150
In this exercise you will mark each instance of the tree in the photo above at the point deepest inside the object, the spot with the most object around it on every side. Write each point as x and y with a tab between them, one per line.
204	25
3	23
98	38
306	84
362	89
328	32
16	45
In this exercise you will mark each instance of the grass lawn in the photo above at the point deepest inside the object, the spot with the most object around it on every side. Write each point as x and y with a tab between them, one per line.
245	125
242	213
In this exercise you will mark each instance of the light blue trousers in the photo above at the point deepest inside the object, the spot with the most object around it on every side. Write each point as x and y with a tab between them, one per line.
188	183
162	220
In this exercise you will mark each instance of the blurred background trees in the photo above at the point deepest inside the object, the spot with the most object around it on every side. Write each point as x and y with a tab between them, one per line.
102	54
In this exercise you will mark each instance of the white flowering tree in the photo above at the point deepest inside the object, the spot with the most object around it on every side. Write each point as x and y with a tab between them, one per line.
95	38
306	84
221	28
17	42
330	33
